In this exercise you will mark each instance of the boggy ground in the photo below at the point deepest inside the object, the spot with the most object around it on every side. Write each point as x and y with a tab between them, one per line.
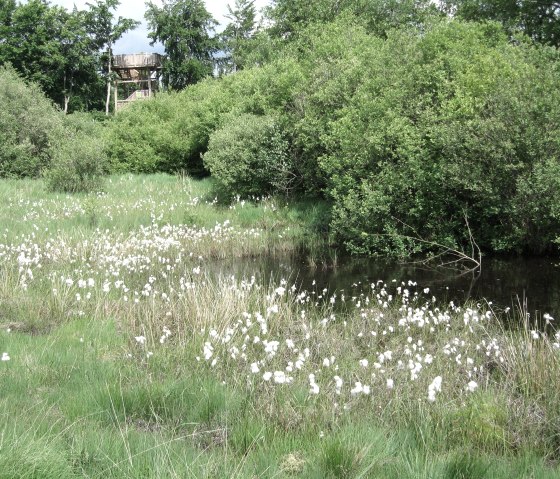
123	356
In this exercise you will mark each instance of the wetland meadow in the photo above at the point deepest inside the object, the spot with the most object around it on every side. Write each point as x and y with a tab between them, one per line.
130	347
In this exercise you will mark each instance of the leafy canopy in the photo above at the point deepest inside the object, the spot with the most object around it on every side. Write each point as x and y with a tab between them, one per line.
186	30
238	33
539	19
65	52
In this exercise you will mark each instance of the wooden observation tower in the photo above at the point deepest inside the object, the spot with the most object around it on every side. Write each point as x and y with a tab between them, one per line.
137	77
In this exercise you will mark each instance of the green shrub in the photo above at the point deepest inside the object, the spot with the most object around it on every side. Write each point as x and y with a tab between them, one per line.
482	423
537	206
79	160
249	156
28	124
133	136
459	123
169	132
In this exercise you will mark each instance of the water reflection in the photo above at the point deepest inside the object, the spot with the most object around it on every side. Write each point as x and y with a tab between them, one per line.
505	282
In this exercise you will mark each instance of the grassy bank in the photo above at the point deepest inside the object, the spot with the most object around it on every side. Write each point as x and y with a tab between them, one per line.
130	202
124	356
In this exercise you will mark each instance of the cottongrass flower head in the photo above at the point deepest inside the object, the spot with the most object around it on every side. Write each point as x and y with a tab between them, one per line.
434	387
472	386
313	386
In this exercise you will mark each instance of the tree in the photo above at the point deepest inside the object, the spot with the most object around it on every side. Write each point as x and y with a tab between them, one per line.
105	32
539	19
31	43
380	16
7	9
53	48
238	32
79	68
185	28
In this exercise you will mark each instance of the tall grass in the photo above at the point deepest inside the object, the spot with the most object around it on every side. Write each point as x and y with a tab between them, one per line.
126	354
130	201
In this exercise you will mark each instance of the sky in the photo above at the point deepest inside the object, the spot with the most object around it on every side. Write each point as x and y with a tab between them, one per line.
137	40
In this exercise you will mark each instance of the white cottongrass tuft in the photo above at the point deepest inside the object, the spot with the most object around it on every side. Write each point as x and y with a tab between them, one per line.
360	388
434	387
313	386
472	386
280	291
338	384
280	377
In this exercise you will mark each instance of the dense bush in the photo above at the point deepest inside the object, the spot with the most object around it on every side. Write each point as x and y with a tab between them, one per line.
28	124
249	156
79	160
409	135
136	136
168	133
171	132
460	123
37	139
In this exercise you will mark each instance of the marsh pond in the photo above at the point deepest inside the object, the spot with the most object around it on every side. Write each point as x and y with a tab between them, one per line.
533	283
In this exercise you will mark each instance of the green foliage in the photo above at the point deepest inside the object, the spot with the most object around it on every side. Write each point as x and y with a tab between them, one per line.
32	44
245	42
79	83
101	25
137	136
37	138
28	124
537	19
458	130
168	133
249	156
185	28
292	17
237	34
453	126
79	159
104	31
171	132
537	205
59	50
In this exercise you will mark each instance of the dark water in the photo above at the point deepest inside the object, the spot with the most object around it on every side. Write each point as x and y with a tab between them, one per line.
534	282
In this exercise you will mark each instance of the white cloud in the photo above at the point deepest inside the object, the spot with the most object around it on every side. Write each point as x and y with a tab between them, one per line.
137	40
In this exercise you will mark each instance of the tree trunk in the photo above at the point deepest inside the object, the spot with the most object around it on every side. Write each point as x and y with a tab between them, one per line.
66	95
108	82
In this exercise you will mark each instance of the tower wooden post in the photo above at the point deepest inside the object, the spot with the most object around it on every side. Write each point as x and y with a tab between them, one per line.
135	70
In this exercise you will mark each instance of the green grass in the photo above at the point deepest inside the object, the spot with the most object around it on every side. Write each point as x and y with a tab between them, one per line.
75	405
130	356
130	201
